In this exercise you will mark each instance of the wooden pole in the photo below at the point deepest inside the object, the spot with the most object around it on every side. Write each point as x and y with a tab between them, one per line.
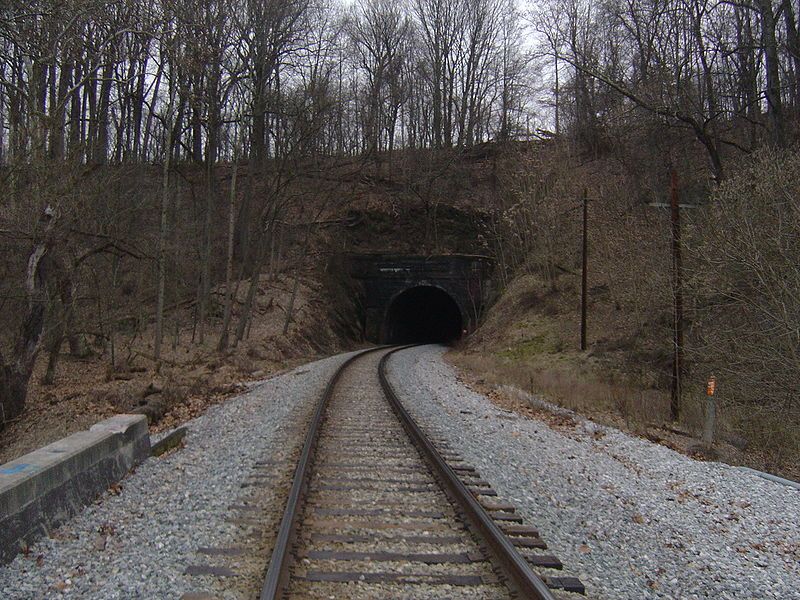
584	260
710	424
677	285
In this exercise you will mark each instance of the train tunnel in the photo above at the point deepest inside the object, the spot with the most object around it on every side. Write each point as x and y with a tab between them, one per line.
423	314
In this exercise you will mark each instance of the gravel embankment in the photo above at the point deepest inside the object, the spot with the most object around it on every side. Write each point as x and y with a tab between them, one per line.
631	518
137	544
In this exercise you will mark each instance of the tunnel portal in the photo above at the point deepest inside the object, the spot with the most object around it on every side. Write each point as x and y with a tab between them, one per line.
406	298
423	314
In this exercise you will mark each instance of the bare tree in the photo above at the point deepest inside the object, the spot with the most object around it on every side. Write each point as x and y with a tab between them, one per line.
16	373
379	31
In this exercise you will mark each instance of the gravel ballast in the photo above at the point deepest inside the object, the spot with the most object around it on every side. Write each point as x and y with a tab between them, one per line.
630	518
137	541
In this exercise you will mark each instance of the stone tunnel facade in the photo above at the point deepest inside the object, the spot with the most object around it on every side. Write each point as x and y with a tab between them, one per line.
384	278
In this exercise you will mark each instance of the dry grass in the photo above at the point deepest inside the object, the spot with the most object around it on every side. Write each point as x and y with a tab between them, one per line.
530	340
573	386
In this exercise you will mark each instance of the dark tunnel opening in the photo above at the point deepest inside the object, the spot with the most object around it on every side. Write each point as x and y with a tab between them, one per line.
423	315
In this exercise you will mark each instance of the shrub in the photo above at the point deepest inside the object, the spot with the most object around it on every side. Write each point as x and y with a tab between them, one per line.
744	275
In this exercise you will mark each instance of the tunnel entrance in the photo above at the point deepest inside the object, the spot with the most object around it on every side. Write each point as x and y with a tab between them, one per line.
412	297
423	314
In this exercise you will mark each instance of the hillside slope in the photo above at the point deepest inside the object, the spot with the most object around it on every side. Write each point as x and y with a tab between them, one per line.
529	343
192	375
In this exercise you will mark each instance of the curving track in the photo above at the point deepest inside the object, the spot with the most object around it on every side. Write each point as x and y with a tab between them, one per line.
378	510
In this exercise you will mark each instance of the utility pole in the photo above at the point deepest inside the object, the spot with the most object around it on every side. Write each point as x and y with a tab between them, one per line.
677	293
584	260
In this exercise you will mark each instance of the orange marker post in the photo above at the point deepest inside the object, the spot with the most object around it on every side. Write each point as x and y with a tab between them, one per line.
711	412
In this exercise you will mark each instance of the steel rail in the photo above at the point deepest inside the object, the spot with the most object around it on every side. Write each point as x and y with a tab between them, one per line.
521	576
280	562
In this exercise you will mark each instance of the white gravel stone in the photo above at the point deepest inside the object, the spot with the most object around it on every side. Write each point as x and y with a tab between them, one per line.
631	518
171	505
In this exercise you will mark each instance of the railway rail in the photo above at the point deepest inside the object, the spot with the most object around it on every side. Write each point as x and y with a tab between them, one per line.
378	510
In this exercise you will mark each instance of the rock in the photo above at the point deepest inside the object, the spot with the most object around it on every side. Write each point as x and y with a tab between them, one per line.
255	353
150	390
168	442
737	441
154	407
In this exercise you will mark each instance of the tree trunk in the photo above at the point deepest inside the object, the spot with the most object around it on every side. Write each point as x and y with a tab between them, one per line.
103	114
255	278
138	109
162	238
226	319
57	118
75	117
13	390
14	377
772	67
793	46
63	327
205	275
150	114
37	100
53	354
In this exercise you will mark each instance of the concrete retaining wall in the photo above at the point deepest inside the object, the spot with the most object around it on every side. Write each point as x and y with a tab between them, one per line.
42	489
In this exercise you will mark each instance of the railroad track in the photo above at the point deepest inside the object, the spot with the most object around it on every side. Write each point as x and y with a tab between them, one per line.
378	510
